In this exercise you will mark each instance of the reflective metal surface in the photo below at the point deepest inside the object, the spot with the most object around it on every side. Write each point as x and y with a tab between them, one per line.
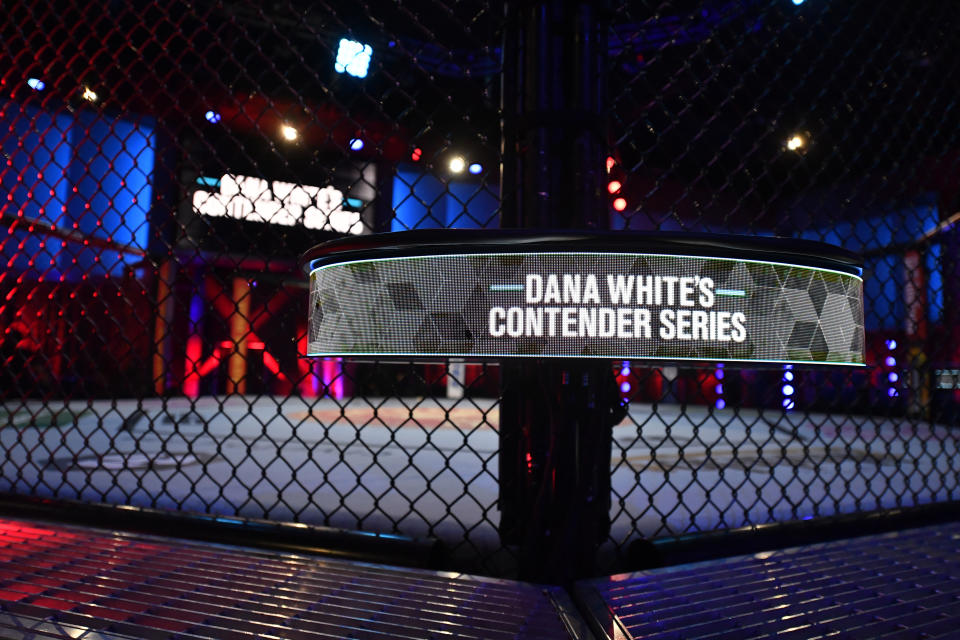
898	585
71	582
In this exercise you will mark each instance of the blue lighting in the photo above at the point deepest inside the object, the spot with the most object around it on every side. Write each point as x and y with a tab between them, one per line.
720	403
788	404
788	376
207	181
719	374
787	389
890	361
893	393
892	377
797	3
625	387
212	116
891	344
36	84
625	368
353	58
475	168
719	389
356	144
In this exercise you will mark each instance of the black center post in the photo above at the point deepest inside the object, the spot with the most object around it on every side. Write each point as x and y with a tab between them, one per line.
556	416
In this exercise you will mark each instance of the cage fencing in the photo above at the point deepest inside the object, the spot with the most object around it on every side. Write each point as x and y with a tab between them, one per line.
165	165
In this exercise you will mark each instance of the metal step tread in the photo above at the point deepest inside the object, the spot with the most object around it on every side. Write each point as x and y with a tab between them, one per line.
59	581
890	586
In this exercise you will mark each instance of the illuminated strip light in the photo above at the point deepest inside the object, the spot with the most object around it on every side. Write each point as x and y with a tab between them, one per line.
788	389
718	374
735	293
506	287
393	310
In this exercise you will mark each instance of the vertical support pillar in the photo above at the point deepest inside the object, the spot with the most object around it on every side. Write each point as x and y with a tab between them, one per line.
163	327
239	333
915	329
556	417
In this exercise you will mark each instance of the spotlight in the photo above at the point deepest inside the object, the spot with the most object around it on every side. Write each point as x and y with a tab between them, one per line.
620	204
796	142
613	186
353	58
891	344
89	94
289	133
625	387
787	390
356	144
212	117
36	84
457	164
475	168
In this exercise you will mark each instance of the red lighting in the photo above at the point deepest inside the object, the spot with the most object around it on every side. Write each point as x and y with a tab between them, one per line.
620	204
613	186
611	162
415	156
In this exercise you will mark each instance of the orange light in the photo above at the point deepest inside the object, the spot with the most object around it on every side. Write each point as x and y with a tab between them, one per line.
613	186
620	204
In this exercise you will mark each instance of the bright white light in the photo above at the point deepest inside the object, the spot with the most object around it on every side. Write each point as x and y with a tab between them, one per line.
797	2
788	376
891	344
890	361
288	132
796	142
89	94
353	58
356	144
281	203
787	389
36	84
788	404
625	387
892	377
212	116
475	168
457	164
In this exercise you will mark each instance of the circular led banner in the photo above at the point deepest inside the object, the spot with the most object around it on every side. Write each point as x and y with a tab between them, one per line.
628	296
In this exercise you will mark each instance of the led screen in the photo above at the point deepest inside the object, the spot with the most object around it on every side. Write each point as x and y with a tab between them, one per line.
600	305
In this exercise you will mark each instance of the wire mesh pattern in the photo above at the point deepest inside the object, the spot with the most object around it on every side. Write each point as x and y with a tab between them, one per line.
108	586
900	585
164	165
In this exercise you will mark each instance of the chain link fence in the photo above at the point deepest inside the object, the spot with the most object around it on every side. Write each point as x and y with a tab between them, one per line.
165	164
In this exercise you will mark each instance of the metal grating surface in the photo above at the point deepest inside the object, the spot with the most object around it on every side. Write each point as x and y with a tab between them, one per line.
70	582
892	586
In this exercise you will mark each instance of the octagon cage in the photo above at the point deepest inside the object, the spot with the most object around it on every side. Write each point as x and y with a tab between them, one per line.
165	165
